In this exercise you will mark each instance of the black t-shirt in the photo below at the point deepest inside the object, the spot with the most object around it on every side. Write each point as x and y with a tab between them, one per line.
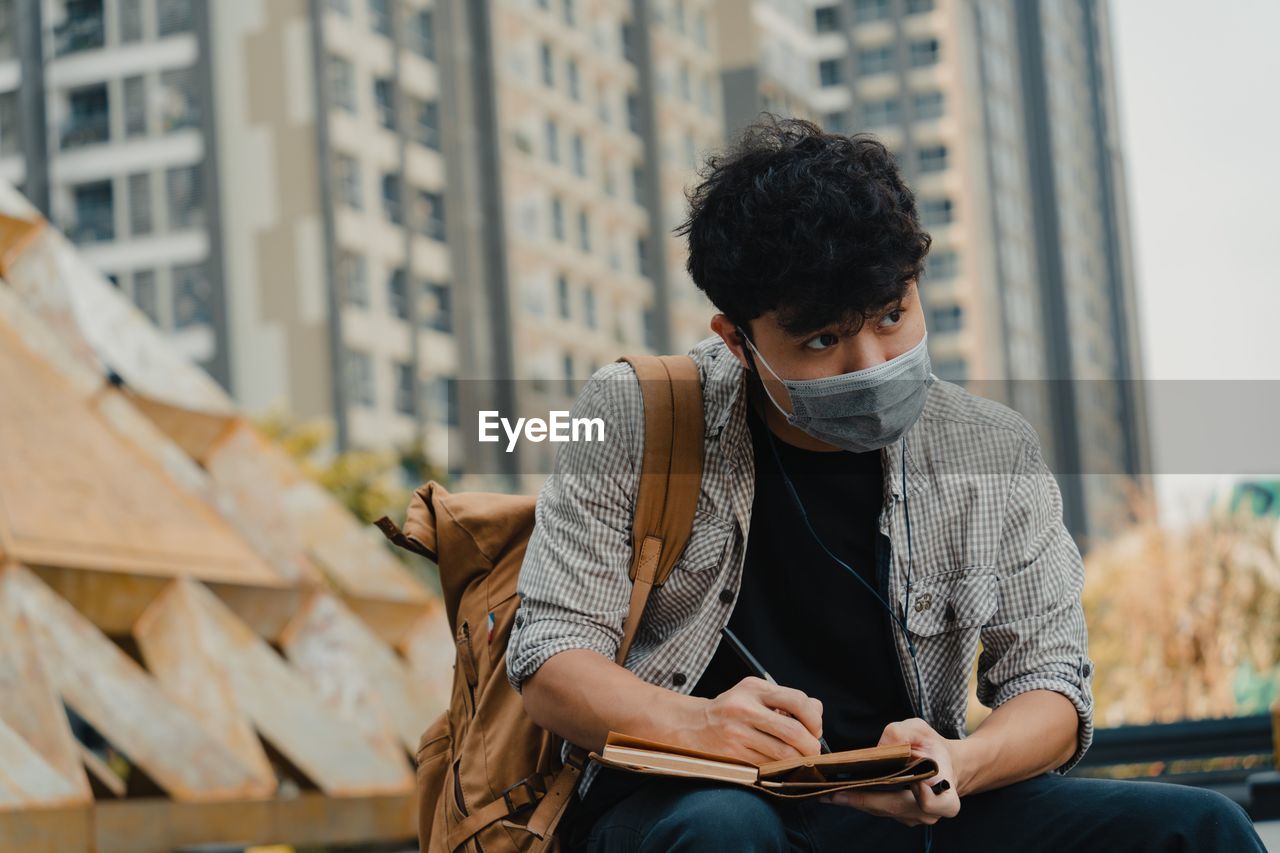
807	621
810	623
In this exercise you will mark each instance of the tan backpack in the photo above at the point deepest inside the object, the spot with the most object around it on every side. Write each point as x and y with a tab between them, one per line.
489	778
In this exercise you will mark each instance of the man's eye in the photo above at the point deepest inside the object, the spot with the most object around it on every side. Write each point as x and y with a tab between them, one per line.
821	342
892	318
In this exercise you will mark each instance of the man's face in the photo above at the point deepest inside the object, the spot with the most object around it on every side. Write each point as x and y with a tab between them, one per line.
830	351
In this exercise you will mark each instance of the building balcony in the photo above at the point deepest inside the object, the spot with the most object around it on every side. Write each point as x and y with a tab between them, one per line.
89	130
93	226
80	31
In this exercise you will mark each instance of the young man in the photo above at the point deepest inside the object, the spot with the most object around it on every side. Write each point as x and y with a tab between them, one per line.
862	527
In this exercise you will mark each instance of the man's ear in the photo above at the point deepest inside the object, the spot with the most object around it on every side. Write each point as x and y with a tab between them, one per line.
728	332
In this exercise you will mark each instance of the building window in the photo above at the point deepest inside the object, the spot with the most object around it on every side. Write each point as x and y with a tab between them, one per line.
384	99
174	16
192	297
422	34
579	156
642	256
95	213
924	53
135	107
584	231
880	113
447	396
637	183
380	17
836	123
185	186
865	11
131	28
557	219
936	211
589	307
686	84
700	28
633	112
404	388
10	124
392	207
568	375
438	307
552	136
179	99
426	126
917	7
140	219
430	215
89	119
82	28
346	171
575	79
650	328
570	12
941	265
145	294
353	279
932	158
629	47
826	19
360	378
342	7
829	72
875	60
398	293
946	318
562	298
927	105
342	83
952	369
548	66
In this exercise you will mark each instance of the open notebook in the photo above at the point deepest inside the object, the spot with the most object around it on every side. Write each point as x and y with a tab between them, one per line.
875	768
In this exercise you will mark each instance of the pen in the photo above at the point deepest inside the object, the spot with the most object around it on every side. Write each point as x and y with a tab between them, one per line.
754	665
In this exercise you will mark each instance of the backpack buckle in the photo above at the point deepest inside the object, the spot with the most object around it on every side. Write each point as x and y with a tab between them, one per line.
526	785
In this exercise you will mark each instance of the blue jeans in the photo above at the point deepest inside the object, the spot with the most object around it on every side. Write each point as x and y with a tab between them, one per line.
1047	813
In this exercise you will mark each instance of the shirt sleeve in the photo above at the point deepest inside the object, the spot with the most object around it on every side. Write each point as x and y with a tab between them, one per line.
574	582
1038	639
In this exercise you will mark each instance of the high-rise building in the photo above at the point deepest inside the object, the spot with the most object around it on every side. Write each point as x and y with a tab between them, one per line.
1003	118
102	124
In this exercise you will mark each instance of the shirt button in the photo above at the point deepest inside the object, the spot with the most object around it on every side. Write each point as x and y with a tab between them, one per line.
924	602
726	595
678	678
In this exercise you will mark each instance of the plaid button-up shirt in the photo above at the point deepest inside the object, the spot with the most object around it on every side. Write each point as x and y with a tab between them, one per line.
991	561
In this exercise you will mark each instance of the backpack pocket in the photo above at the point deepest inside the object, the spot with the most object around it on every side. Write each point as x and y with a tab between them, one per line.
432	762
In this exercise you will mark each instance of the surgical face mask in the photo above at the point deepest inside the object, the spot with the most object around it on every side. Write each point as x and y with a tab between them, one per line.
863	410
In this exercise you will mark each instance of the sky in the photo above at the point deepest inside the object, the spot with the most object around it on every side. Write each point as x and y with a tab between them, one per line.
1200	124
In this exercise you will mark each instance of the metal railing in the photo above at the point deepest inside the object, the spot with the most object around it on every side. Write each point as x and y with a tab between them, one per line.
1185	753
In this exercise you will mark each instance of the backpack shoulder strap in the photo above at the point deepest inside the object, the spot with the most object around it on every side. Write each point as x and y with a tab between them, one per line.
670	476
670	482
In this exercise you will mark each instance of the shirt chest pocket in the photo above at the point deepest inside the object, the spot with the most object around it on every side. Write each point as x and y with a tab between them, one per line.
951	601
707	543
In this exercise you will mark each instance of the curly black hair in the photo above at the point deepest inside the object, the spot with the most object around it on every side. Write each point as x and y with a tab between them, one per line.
815	225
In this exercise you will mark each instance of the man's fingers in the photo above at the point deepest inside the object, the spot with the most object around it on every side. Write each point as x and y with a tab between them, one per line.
804	708
946	803
787	729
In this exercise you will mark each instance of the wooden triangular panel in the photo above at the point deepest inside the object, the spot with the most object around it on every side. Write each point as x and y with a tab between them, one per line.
123	702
